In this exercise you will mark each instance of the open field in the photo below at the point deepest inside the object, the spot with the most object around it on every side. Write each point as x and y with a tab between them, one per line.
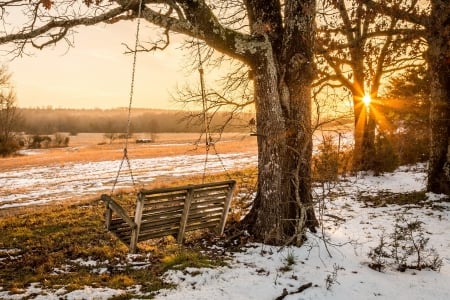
90	147
89	166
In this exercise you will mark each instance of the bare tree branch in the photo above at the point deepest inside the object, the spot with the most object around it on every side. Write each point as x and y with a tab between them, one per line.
395	11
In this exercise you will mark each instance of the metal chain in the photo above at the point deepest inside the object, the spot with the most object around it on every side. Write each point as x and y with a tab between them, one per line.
133	75
221	161
208	139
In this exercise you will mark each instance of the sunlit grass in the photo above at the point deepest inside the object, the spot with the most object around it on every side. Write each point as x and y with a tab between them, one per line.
65	244
53	245
45	247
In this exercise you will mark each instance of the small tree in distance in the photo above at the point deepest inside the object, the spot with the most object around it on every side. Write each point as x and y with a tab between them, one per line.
9	116
406	107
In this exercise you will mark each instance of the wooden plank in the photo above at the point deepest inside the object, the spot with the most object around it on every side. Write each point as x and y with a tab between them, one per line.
151	205
137	219
207	193
158	234
118	221
184	216
108	217
205	215
157	231
208	209
163	196
192	186
170	220
220	197
200	198
223	221
210	195
121	226
212	191
148	228
162	210
202	219
125	239
162	215
122	231
209	203
203	225
198	209
118	210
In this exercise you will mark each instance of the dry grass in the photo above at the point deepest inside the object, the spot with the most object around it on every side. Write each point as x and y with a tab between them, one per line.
48	245
91	147
45	244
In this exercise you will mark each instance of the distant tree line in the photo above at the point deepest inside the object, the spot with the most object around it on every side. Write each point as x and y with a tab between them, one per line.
48	121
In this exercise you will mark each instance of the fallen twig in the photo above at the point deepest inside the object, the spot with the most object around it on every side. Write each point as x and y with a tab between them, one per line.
299	290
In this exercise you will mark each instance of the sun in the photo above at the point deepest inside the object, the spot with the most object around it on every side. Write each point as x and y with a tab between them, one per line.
366	99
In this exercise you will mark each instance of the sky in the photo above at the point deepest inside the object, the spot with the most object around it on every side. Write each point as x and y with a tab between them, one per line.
96	73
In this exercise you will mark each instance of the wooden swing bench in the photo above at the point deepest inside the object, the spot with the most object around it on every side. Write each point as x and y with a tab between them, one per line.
171	211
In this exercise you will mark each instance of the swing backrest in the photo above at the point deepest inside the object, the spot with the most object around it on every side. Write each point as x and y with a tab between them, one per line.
172	211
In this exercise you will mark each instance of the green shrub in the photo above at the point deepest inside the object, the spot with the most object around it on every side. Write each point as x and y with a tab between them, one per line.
405	248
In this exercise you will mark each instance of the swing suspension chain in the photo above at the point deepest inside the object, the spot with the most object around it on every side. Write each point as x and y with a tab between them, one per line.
133	73
205	120
203	94
208	139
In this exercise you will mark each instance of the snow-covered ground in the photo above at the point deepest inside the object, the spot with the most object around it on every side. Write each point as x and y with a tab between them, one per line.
37	185
341	272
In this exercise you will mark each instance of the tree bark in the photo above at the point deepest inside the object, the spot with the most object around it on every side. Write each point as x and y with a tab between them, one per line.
438	57
283	207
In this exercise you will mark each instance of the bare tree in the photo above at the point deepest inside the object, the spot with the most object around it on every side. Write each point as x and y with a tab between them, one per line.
9	117
437	33
275	39
357	48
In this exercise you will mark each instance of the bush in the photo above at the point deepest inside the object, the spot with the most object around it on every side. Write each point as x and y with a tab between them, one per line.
405	248
8	147
61	140
38	142
326	163
331	161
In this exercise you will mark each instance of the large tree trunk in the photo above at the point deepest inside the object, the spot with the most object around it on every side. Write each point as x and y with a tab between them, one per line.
439	64
283	207
364	131
364	136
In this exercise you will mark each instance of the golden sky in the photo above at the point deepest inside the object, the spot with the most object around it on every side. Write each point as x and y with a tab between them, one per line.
96	73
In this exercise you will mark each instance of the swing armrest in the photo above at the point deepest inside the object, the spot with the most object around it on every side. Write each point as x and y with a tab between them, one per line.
113	205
